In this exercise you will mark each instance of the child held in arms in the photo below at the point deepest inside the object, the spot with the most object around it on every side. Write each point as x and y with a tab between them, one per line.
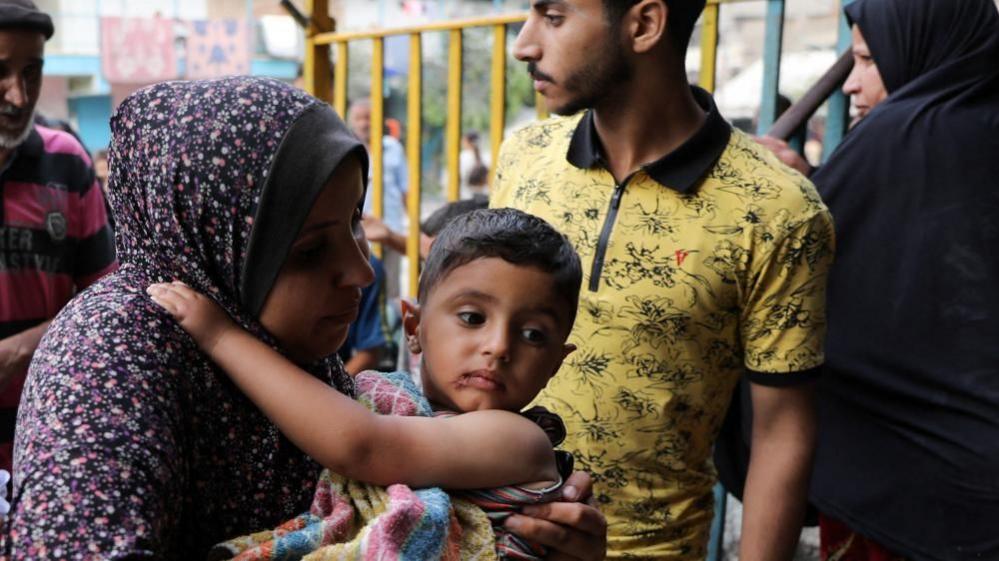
497	300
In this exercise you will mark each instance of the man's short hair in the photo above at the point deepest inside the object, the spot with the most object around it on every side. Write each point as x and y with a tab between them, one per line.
23	14
680	21
513	236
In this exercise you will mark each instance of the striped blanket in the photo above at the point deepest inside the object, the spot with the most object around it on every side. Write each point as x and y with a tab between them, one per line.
351	520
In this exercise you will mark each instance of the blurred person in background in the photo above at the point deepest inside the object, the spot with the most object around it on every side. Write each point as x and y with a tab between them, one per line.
473	167
367	346
54	234
101	169
376	231
394	187
394	128
101	173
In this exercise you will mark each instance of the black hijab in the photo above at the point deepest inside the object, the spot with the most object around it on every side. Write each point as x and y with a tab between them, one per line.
909	408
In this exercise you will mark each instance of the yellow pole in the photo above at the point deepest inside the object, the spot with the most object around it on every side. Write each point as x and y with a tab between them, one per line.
414	155
709	47
340	79
377	131
453	137
316	69
448	25
497	98
540	106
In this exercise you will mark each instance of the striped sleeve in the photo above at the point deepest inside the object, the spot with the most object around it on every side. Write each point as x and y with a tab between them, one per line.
95	246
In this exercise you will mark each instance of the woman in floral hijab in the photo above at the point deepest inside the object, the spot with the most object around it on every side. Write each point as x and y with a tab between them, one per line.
130	442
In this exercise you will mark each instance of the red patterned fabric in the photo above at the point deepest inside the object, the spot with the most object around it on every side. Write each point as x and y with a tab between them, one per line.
839	543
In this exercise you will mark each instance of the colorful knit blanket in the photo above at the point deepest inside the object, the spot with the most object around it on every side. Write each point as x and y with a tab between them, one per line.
351	520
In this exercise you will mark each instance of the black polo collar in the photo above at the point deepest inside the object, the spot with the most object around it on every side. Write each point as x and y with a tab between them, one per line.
679	170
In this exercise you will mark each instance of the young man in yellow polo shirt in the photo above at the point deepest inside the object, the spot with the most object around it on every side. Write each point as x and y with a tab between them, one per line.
705	259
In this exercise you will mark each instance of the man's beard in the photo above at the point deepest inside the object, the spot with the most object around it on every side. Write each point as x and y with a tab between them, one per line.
10	141
592	83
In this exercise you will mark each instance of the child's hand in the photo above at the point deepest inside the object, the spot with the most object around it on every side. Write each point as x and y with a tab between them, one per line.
201	317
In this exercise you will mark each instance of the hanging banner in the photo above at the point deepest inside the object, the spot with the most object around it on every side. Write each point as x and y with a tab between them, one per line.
217	48
137	50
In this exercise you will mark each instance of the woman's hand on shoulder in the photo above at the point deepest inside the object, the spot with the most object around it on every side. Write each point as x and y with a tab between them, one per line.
198	314
785	154
573	529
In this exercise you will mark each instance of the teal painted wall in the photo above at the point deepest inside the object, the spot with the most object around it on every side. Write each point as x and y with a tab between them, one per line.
93	112
93	117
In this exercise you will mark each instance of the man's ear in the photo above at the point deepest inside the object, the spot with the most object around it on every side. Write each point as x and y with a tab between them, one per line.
566	351
411	325
647	25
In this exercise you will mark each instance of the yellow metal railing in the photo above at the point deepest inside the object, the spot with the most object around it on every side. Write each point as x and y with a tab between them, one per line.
709	47
320	37
318	42
453	134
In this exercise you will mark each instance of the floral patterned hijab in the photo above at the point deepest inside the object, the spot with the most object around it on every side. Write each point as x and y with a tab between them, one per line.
211	181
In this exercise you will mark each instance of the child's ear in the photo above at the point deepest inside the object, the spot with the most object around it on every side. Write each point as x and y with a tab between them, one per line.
566	351
411	325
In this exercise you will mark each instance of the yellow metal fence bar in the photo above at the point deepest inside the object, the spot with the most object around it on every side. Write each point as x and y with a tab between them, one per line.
414	155
453	134
540	106
377	130
340	79
452	25
320	35
709	47
497	95
316	68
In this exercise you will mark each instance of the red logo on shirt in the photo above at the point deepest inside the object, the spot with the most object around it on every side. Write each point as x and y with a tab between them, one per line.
680	256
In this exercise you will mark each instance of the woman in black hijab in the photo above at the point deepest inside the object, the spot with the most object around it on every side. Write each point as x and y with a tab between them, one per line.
908	448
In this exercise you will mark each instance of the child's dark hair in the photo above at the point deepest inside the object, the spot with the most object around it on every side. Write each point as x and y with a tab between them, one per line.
515	237
445	214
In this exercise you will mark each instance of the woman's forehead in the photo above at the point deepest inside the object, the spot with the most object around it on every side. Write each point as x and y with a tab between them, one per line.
340	196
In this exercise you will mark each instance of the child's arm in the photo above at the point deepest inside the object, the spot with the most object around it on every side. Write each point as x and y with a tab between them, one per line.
475	450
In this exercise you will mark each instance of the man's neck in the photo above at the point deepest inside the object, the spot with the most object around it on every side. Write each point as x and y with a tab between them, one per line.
650	119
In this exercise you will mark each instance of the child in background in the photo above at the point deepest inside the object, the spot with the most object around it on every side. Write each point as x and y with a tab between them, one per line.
498	298
367	346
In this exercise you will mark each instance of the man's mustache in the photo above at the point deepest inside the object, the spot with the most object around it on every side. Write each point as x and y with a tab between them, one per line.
532	69
8	110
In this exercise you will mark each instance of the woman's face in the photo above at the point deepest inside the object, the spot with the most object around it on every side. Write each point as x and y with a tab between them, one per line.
864	85
317	291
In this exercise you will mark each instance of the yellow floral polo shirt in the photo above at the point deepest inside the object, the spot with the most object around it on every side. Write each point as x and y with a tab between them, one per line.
701	267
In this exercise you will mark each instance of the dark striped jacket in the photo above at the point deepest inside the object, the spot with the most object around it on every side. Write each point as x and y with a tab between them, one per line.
54	239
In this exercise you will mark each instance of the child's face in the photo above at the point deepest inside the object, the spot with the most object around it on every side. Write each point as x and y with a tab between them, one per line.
492	334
